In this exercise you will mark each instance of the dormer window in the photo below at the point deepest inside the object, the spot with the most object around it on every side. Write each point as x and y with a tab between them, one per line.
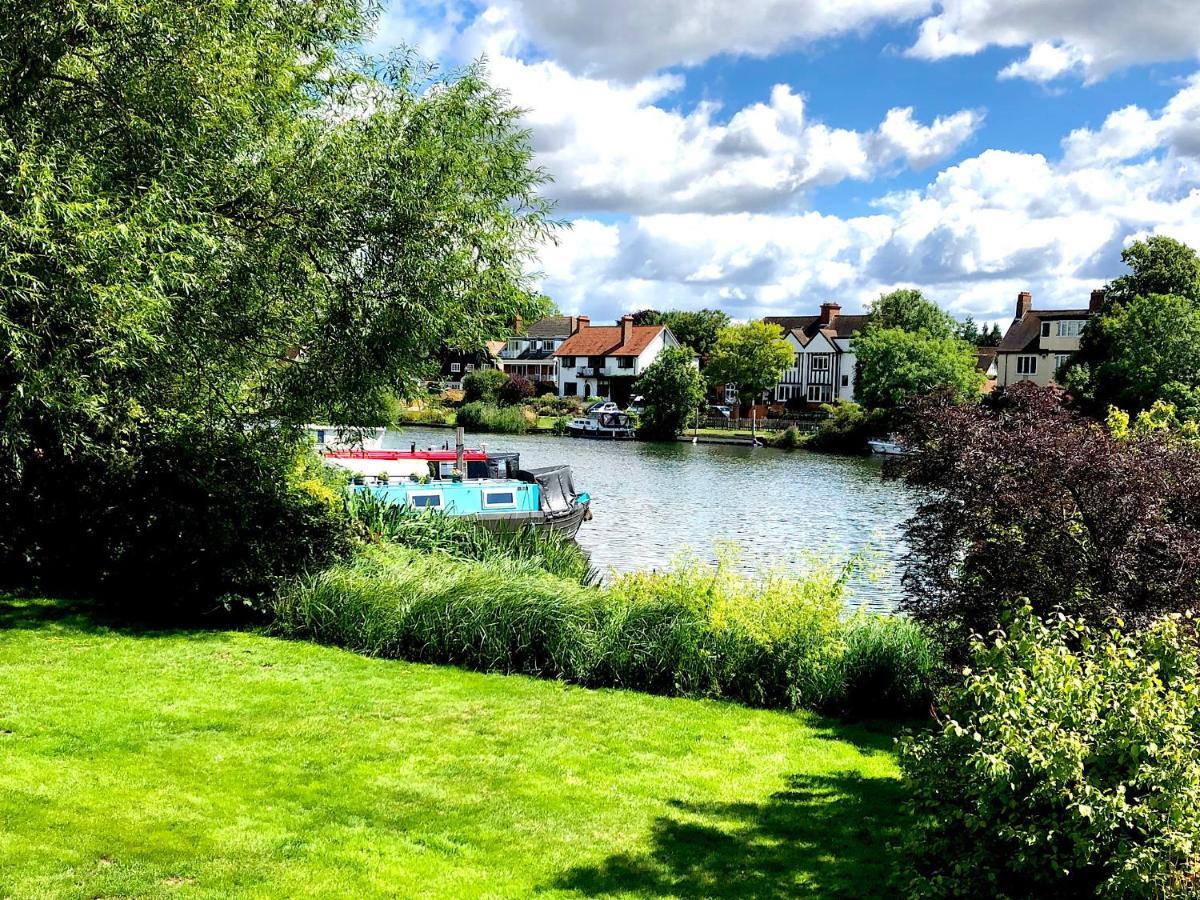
1070	328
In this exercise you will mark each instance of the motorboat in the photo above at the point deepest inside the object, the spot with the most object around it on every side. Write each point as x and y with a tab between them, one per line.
603	420
886	448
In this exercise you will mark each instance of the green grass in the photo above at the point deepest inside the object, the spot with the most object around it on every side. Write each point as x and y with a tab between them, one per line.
228	764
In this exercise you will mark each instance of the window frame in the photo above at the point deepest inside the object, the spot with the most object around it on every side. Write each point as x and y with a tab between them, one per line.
826	364
1029	358
820	398
511	504
455	367
413	495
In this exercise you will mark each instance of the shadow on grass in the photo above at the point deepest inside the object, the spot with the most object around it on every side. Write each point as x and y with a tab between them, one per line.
824	835
89	617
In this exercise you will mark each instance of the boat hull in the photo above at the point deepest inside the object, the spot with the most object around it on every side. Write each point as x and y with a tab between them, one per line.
602	434
566	523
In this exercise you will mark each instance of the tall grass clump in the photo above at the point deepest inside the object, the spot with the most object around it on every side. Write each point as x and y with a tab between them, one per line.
431	531
480	416
697	629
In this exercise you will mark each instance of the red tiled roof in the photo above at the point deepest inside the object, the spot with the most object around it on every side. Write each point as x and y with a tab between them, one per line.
605	340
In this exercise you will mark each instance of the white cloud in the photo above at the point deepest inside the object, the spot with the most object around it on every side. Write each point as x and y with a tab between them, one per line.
1132	131
610	147
1090	37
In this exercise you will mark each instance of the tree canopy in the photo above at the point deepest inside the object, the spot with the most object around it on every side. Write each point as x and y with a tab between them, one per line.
672	390
694	328
218	214
752	356
909	310
895	365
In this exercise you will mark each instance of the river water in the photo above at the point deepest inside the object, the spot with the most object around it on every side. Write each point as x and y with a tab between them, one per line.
652	501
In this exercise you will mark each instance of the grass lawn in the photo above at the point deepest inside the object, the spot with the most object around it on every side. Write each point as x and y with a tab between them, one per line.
220	763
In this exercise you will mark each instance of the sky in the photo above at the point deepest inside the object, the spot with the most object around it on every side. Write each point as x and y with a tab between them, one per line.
764	156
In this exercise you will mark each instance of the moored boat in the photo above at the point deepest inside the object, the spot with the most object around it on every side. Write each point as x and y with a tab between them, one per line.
886	448
605	421
534	498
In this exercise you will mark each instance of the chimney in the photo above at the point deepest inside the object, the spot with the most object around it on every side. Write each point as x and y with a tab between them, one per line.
581	323
1024	303
1097	302
829	312
518	324
626	329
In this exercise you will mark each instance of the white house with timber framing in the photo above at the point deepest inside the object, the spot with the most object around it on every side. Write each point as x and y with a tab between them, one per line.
823	362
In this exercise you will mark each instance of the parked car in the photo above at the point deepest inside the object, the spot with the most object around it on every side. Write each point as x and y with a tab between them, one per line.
723	411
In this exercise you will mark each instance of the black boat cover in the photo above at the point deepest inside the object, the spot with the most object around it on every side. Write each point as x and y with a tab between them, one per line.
505	464
555	485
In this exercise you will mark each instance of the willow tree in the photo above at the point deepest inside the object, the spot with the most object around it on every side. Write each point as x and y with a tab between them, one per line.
218	221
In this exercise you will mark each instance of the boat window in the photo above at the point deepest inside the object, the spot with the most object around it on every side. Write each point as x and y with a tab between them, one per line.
425	500
493	499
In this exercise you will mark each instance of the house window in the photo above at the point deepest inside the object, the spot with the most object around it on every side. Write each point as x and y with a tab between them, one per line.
816	393
571	389
425	499
731	394
1046	329
1060	360
498	499
320	435
1070	328
783	392
470	367
845	381
820	363
535	345
625	362
596	362
455	367
1026	365
568	362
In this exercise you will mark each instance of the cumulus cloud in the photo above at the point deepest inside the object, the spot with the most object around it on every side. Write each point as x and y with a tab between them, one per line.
614	147
1133	131
1092	38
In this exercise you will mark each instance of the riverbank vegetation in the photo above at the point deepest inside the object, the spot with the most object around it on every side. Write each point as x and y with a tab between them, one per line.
212	763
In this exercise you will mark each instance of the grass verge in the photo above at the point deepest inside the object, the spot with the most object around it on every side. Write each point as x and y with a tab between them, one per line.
227	764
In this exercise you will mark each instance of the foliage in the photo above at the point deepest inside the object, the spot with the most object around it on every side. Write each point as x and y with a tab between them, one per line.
215	216
752	356
696	328
434	532
1161	419
788	439
483	386
909	310
672	390
1157	265
692	630
1024	498
895	365
560	426
485	417
1068	765
1149	350
426	415
847	429
296	770
979	335
516	390
193	517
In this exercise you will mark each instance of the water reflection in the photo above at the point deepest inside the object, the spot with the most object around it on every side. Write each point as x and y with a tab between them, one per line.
653	500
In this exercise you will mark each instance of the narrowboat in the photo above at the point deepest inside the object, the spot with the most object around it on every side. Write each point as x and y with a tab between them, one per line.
605	421
535	498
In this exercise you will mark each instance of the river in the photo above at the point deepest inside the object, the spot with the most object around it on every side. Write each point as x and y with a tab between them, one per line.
652	501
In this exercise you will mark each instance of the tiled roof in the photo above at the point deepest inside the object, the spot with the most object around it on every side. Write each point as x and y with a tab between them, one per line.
1024	335
984	357
605	340
807	327
551	326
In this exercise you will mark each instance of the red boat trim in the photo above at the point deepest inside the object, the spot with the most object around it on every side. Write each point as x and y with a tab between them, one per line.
434	455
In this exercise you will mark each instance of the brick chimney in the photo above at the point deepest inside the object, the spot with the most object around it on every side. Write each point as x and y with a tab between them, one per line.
518	324
581	323
1097	302
829	312
626	329
1024	303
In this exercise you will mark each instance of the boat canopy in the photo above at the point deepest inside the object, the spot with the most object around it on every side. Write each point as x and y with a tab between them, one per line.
555	485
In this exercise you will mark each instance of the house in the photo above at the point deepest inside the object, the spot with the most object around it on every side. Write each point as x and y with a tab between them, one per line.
604	360
456	364
529	352
1038	342
823	361
985	362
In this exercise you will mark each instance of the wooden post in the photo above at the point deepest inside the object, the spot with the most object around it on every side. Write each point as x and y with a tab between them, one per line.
753	426
460	450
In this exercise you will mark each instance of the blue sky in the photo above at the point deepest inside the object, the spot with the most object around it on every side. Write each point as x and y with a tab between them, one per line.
765	155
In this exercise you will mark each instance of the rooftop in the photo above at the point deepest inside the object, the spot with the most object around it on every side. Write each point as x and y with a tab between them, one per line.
605	340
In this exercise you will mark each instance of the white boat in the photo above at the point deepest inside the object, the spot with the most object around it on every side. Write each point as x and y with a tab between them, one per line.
886	448
339	437
605	421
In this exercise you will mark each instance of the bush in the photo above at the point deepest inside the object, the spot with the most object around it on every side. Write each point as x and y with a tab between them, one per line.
1068	766
483	386
1023	498
486	417
194	517
789	439
515	390
847	429
695	630
429	415
560	425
